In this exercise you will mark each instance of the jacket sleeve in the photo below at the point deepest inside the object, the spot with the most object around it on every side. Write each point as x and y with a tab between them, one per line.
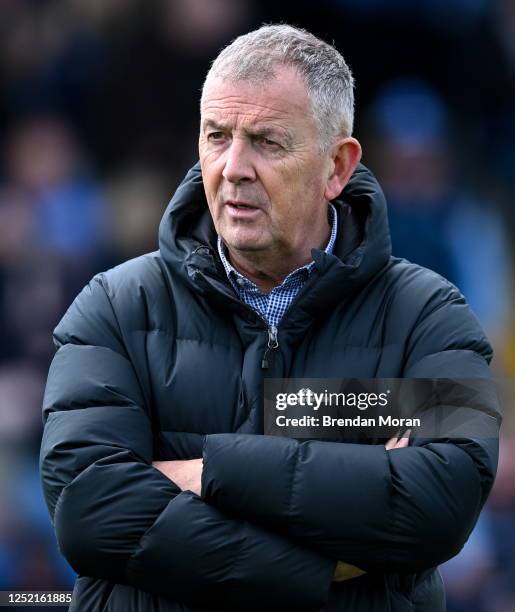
399	510
118	518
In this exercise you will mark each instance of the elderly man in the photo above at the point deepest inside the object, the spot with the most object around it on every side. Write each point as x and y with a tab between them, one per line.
274	261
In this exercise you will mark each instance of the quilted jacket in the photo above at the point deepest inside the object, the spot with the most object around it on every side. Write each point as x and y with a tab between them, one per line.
158	360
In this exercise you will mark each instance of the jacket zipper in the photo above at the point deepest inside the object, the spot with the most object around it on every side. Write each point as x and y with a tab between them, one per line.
272	344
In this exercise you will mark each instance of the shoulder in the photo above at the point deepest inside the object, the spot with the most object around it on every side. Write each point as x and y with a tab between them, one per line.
412	286
133	277
114	302
433	313
403	293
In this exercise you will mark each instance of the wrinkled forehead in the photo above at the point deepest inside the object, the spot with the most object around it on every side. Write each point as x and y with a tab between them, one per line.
283	98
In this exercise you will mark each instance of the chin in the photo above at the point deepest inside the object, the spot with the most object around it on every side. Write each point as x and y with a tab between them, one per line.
244	245
241	238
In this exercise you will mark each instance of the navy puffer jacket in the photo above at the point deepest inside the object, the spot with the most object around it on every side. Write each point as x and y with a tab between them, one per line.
158	360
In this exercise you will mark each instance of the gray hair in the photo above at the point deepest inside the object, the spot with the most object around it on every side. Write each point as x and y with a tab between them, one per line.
329	81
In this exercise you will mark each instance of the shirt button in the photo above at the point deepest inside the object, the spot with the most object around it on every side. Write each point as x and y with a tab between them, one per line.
240	282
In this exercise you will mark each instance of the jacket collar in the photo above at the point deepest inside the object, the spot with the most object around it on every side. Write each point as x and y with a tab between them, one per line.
187	242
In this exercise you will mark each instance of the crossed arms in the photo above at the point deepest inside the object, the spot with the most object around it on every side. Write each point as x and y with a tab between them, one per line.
118	518
187	475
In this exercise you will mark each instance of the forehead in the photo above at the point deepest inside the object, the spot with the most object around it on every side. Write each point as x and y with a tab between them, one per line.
283	100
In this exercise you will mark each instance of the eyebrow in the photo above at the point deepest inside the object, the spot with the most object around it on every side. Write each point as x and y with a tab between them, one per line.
264	131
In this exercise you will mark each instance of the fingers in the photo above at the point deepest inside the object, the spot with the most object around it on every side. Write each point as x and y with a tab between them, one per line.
391	443
404	441
346	571
395	443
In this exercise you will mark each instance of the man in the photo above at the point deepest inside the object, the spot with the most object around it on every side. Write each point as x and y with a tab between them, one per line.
274	261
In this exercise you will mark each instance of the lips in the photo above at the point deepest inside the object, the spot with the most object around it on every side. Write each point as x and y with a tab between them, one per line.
241	205
242	210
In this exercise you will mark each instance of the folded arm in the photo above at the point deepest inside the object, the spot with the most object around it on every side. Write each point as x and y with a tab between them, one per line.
400	510
118	518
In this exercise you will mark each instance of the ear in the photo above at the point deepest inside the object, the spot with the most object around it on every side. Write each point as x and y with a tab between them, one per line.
345	156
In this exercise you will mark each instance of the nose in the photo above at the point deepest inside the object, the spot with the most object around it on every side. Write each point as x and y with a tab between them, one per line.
239	165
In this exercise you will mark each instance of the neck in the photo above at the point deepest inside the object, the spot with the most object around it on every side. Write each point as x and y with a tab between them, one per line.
267	269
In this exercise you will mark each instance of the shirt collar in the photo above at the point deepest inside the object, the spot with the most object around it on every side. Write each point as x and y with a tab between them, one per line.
242	282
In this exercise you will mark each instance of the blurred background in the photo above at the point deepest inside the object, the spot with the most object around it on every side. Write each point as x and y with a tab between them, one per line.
98	124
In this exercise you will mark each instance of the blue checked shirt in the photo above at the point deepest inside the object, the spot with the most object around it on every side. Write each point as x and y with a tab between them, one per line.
272	306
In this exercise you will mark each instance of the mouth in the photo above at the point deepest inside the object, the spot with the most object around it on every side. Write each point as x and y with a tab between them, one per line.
241	205
242	210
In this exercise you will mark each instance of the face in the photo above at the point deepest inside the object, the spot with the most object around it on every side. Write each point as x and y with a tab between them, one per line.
264	176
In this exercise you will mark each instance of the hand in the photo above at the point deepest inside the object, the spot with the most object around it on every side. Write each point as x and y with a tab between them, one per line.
346	571
185	474
394	443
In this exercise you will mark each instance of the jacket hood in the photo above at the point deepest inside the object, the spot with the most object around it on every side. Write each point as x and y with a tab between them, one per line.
187	237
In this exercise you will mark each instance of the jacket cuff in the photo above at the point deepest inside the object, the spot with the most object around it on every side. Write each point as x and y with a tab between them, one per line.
240	475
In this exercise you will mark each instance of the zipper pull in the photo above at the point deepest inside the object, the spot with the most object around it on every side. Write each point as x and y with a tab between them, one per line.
272	344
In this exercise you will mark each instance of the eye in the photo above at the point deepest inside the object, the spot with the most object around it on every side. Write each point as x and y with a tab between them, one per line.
268	143
216	136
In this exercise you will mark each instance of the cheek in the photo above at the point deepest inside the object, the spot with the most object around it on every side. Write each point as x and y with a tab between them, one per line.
312	187
211	179
300	192
301	182
283	189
